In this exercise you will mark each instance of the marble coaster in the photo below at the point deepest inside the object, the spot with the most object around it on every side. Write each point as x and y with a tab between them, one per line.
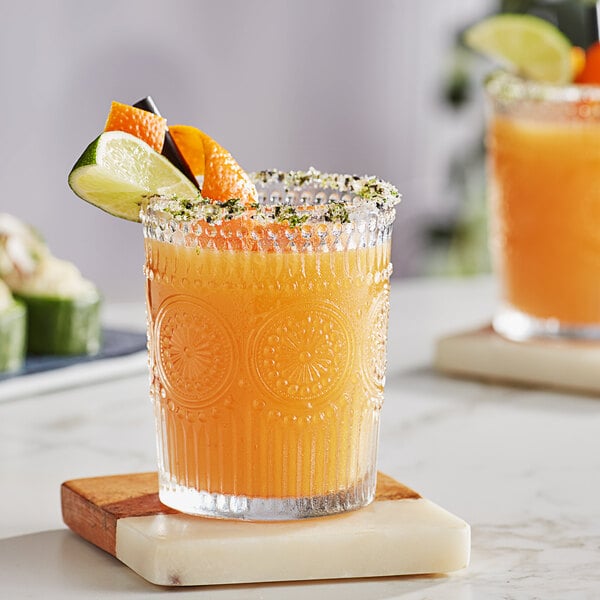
400	533
483	354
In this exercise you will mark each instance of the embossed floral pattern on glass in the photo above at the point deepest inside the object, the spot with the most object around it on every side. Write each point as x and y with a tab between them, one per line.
267	357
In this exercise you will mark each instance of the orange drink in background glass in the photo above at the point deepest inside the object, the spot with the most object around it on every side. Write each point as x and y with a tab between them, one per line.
544	190
267	353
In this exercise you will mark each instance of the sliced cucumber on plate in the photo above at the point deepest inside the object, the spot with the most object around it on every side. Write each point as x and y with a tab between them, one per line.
13	336
59	325
63	308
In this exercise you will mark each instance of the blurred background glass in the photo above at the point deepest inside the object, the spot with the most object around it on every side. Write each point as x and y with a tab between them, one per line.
379	87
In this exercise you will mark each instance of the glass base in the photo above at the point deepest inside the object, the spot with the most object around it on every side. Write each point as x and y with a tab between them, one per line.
225	506
518	326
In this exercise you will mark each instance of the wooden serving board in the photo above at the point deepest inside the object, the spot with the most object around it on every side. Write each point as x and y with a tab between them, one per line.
400	533
483	354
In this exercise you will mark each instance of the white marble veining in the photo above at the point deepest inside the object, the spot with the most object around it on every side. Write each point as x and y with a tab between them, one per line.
521	466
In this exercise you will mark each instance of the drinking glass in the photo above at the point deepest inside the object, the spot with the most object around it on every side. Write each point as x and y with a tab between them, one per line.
543	145
267	352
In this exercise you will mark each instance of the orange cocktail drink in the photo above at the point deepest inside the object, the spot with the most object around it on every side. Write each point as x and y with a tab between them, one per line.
267	352
544	165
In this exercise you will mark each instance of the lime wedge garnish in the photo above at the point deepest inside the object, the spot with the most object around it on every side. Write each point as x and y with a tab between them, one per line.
118	172
534	48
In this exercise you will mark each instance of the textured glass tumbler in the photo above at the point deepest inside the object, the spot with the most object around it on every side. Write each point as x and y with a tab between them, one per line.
267	352
544	190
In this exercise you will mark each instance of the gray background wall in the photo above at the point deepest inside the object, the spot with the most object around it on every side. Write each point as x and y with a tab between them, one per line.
343	85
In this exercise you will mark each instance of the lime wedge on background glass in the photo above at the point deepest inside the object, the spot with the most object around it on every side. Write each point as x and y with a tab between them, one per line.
533	47
118	171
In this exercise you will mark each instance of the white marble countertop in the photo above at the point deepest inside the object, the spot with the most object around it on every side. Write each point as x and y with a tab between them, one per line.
521	466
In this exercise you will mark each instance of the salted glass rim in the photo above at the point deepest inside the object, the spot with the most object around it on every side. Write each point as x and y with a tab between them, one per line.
506	86
318	197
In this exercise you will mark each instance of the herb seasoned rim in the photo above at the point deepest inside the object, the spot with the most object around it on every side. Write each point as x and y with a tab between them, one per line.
294	198
367	187
509	87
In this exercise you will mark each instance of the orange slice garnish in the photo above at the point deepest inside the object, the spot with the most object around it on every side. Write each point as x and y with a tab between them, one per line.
224	179
590	74
578	59
144	125
190	142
